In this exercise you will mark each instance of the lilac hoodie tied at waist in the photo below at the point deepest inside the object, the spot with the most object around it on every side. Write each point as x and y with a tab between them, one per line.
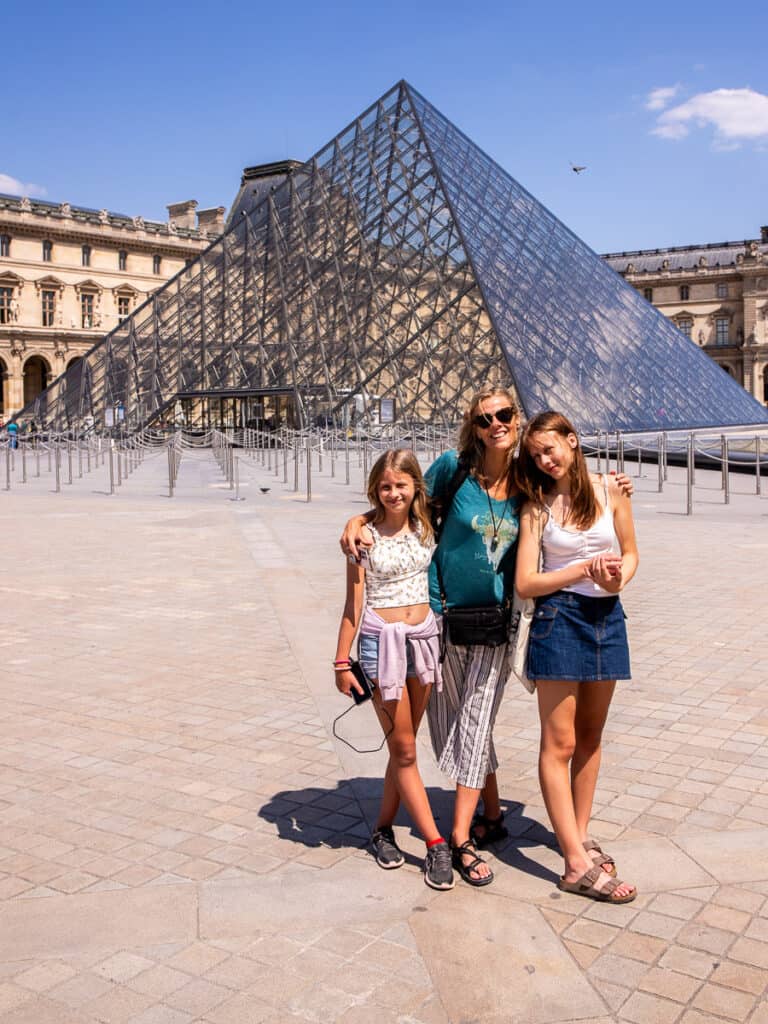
393	652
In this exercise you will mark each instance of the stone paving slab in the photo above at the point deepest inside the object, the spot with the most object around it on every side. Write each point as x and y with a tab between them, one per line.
181	836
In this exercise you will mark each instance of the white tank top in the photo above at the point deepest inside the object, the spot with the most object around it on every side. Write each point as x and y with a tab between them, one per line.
563	547
396	570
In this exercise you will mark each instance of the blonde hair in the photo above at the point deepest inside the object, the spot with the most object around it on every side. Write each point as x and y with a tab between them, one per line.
470	448
402	460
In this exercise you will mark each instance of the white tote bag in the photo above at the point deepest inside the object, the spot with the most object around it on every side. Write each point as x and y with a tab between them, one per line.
523	609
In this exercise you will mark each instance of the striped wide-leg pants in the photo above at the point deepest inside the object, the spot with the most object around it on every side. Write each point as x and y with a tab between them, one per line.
461	716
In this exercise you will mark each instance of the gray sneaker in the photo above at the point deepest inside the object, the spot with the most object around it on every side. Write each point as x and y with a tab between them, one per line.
386	851
438	872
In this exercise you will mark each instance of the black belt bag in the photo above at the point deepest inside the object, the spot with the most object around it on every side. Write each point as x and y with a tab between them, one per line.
482	627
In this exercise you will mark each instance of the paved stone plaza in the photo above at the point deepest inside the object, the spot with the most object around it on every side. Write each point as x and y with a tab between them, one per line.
182	839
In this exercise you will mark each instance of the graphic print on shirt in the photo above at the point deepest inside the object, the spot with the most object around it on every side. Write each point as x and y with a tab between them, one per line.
507	535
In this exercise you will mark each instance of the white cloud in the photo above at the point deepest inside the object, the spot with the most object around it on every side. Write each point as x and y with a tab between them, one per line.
737	115
14	187
659	98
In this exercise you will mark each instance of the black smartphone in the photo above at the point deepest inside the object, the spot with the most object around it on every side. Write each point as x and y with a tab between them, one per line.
364	680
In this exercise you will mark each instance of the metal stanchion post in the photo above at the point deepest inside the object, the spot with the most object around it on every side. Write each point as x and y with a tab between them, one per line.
171	474
639	460
309	466
69	462
58	468
757	464
237	482
346	454
723	464
689	475
79	461
664	451
620	453
599	452
37	460
320	455
285	457
111	470
333	454
88	457
119	470
7	466
726	475
49	456
24	464
296	449
365	465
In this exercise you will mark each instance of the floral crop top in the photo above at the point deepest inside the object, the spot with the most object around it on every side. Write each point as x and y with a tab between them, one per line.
396	570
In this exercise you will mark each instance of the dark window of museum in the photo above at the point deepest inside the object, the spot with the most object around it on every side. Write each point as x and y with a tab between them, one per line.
6	296
5	245
86	255
648	294
123	307
86	310
722	324
686	325
685	292
722	291
122	260
48	299
156	262
47	250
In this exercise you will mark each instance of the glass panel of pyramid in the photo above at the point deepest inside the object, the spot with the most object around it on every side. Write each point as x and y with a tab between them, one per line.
400	263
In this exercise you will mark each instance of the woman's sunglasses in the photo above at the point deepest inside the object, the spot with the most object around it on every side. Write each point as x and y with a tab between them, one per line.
485	419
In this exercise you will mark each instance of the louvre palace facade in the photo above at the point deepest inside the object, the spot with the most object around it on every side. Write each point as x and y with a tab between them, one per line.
717	295
68	275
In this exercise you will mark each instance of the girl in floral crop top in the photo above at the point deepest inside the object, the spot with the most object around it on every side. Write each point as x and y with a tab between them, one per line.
399	647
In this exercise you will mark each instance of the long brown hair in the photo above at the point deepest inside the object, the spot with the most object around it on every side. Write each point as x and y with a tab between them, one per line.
534	483
471	449
402	460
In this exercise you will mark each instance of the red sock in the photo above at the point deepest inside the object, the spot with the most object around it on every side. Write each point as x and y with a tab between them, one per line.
434	842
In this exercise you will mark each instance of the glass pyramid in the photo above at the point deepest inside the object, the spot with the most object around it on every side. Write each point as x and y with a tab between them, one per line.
401	264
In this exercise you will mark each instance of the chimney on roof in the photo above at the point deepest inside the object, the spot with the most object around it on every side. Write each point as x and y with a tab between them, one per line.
211	220
182	215
764	234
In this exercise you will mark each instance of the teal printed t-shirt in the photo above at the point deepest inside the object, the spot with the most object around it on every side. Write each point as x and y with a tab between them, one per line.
473	575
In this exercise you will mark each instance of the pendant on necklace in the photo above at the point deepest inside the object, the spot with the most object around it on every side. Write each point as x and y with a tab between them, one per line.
494	542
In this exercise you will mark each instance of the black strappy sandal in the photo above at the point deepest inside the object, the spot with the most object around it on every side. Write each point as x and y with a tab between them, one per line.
495	830
457	855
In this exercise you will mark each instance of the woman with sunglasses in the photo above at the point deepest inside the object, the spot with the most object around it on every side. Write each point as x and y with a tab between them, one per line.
473	566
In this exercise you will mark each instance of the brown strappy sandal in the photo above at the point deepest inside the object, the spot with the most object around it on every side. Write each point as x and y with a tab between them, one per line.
599	857
592	887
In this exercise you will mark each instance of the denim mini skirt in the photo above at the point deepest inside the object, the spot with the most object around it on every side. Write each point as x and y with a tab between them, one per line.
578	638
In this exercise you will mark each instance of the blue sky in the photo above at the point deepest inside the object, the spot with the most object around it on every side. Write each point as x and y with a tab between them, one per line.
134	106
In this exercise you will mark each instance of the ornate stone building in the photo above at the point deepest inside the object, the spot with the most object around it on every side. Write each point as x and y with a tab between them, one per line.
717	294
69	275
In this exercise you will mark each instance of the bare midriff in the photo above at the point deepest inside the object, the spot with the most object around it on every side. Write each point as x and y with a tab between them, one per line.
410	613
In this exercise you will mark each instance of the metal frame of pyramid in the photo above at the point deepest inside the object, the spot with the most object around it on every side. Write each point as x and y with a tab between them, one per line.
400	263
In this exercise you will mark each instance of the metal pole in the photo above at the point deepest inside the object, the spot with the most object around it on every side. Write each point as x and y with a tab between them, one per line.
346	454
639	460
119	469
8	466
58	469
599	453
170	472
757	464
237	482
723	463
24	464
620	453
309	466
726	476
334	438
88	457
660	463
49	456
37	460
689	476
296	449
79	461
664	450
320	455
285	457
69	462
111	470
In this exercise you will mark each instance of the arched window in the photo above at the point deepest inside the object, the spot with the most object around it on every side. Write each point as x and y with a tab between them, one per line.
685	292
36	376
156	264
47	250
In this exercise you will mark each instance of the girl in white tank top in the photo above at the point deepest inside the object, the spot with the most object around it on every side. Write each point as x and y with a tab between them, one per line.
578	646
